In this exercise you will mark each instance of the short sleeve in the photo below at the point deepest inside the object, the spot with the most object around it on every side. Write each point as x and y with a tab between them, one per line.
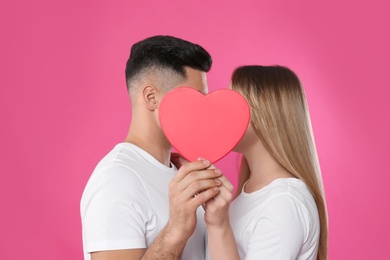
114	211
278	230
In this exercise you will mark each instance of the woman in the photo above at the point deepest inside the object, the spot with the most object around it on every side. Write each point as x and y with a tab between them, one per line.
279	211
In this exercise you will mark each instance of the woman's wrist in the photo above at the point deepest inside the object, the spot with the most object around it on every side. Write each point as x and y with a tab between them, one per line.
220	228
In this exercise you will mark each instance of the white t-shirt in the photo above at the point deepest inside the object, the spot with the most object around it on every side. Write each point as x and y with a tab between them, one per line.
279	221
125	204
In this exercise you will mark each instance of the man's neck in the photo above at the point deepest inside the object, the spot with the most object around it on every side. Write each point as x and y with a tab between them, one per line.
153	142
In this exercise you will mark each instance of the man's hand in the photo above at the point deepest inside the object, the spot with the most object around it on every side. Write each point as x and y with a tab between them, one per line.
216	208
192	186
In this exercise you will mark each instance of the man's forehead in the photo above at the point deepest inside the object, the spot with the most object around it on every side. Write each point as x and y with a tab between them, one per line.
197	79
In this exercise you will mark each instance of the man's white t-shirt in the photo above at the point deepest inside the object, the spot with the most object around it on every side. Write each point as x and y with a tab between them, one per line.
125	204
279	221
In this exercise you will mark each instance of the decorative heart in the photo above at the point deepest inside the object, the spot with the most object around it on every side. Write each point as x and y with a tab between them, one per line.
207	126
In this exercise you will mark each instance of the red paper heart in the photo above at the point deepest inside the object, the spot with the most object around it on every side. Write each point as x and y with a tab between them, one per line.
207	126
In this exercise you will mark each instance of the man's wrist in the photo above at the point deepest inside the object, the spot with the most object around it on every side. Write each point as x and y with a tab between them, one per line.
174	237
168	245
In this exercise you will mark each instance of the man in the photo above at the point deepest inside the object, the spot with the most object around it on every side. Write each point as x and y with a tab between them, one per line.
137	205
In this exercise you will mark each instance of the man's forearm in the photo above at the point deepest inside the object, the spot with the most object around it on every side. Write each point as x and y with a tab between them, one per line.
167	245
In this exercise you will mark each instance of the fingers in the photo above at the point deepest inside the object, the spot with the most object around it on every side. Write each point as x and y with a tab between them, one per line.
224	196
190	167
226	183
217	208
212	166
193	185
200	175
192	179
197	182
204	196
196	187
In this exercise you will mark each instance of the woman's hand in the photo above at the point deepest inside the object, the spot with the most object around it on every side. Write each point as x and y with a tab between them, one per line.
221	242
217	208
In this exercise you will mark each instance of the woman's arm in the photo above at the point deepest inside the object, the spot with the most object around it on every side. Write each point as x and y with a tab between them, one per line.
221	242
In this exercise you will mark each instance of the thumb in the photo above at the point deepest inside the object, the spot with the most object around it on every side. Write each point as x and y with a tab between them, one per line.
211	167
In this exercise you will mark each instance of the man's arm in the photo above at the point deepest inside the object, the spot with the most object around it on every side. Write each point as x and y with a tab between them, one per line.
167	245
192	186
221	241
118	254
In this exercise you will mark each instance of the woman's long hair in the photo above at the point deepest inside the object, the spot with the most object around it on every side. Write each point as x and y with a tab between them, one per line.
280	117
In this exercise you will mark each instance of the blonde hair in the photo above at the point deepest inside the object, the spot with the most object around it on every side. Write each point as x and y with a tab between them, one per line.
280	117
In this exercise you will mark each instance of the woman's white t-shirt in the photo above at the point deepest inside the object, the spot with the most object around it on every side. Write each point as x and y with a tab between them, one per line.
279	221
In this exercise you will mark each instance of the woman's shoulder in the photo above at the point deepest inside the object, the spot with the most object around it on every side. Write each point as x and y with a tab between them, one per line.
281	187
288	200
288	189
287	186
281	196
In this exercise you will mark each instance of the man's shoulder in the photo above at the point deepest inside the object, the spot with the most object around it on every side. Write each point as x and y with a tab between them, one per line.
116	176
122	158
122	154
120	166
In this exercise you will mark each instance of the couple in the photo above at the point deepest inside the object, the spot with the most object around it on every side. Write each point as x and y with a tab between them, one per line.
138	205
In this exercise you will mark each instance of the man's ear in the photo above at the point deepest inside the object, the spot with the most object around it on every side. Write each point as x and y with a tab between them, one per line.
150	95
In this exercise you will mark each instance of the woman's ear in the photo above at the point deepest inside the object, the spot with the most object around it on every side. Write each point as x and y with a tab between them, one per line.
150	95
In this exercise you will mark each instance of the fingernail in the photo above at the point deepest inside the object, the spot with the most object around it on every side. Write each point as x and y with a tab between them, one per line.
218	171
206	162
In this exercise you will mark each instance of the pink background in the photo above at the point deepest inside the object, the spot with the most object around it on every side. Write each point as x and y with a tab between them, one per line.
64	103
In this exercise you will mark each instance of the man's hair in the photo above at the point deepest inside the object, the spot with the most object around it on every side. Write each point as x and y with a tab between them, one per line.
165	53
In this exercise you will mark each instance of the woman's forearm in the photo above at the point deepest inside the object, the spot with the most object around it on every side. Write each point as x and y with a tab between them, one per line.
222	244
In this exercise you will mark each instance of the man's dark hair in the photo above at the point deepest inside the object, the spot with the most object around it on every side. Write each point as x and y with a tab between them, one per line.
166	52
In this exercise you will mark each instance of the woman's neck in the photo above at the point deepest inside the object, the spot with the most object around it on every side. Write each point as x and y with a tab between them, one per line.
263	167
